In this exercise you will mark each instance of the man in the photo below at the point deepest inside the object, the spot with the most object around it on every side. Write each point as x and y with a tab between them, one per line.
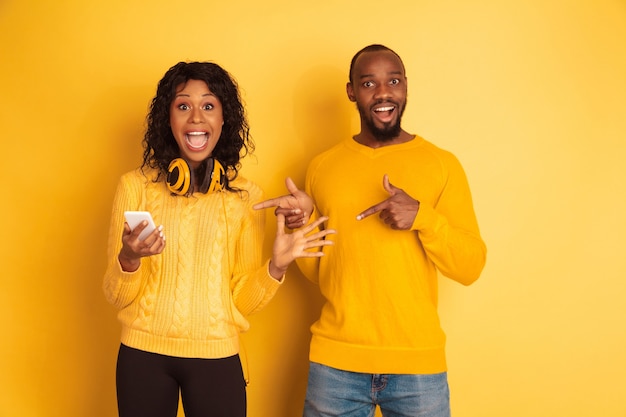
378	340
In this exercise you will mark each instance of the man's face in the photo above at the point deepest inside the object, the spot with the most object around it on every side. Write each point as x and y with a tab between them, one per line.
379	88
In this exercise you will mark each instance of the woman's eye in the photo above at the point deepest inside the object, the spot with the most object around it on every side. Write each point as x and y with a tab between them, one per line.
208	107
183	107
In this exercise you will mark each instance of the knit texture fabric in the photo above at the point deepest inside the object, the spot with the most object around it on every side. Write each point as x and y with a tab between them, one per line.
192	299
379	284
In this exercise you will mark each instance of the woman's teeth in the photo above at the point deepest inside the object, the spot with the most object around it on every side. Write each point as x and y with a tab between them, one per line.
197	140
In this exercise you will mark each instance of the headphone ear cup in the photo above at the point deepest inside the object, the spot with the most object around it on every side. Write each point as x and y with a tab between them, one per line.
179	177
214	177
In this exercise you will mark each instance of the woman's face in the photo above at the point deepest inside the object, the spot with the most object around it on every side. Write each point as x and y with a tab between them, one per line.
196	119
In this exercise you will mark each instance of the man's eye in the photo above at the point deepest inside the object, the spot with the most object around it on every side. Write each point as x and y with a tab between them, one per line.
395	81
368	84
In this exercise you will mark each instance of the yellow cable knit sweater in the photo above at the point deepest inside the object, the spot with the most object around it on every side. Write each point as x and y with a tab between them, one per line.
192	299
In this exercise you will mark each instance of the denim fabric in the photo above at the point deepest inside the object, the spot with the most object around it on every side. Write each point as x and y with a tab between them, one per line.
332	392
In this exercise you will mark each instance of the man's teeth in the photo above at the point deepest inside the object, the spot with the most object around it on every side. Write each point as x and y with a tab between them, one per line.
384	108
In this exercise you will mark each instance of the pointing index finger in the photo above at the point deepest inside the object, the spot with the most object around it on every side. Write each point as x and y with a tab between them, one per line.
372	210
272	202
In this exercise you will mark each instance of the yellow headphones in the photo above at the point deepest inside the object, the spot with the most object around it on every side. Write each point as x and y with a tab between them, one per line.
180	177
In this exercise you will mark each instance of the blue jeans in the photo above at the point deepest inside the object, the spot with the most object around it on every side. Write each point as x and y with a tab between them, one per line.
332	392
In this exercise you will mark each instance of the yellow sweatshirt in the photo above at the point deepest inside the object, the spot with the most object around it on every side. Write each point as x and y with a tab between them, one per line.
192	299
380	285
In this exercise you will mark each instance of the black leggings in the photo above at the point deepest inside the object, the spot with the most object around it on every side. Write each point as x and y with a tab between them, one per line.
148	385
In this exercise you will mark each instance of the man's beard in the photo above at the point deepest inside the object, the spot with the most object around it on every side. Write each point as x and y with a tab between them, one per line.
387	133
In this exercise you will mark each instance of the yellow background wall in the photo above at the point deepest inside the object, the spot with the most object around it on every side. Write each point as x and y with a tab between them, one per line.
530	95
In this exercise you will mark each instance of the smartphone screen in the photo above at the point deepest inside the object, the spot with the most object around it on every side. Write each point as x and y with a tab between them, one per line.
134	218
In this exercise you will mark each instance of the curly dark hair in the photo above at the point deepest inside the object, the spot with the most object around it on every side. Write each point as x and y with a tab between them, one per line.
160	147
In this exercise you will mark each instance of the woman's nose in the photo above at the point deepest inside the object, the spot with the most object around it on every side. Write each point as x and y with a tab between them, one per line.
196	116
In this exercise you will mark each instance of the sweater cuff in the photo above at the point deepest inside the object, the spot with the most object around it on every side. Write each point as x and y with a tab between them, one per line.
276	280
127	274
424	219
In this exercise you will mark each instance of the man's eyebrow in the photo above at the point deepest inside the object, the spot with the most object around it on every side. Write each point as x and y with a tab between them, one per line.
389	73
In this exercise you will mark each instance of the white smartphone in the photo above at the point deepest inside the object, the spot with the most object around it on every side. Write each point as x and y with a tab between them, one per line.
134	218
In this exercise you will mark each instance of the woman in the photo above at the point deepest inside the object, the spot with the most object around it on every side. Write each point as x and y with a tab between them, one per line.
183	304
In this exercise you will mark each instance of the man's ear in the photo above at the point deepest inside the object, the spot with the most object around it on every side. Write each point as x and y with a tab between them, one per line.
350	92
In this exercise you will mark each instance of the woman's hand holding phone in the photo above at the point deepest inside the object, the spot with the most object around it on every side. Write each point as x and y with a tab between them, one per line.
140	238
